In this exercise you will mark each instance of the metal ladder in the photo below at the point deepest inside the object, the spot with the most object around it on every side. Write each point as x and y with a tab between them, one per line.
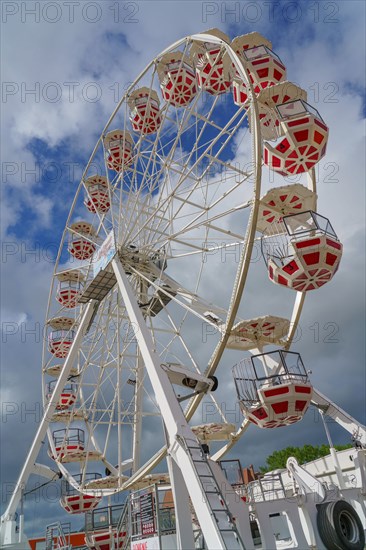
214	497
60	532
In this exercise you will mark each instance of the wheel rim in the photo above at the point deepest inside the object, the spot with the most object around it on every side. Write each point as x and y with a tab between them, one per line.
348	527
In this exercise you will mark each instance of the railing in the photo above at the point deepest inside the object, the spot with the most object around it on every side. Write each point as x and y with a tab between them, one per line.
68	489
266	489
69	386
259	371
102	518
110	518
70	436
58	536
308	222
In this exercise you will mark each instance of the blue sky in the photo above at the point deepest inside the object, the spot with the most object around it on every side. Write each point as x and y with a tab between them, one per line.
78	65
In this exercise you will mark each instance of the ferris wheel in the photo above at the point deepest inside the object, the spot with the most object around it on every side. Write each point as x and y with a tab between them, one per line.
168	214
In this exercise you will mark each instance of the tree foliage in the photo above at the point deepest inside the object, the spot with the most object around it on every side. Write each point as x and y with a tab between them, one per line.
307	453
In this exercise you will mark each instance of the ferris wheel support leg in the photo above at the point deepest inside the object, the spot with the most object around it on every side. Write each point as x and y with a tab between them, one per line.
175	422
7	520
330	409
185	538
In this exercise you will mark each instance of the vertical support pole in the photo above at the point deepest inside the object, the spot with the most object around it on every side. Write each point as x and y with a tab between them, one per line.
138	412
185	538
333	454
21	516
265	362
156	507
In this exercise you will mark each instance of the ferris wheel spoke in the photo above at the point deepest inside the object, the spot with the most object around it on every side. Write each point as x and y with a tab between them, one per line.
178	331
155	154
171	289
195	224
207	223
186	173
203	210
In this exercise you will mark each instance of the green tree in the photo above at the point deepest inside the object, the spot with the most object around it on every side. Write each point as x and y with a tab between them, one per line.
307	453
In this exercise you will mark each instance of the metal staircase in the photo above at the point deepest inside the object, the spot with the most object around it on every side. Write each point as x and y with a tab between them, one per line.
215	500
58	536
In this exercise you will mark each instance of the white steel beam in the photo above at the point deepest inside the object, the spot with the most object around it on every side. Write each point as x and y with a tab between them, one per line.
342	418
305	480
176	425
185	538
45	471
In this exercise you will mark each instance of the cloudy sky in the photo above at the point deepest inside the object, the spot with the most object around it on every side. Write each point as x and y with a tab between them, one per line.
65	64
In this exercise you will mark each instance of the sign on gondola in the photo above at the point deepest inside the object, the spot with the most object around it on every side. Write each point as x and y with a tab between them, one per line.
147	514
